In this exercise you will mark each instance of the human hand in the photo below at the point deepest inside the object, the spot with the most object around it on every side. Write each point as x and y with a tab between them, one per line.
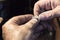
48	9
45	5
18	28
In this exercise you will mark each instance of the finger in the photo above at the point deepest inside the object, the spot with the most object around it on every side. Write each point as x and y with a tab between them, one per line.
47	15
1	19
21	19
41	6
36	9
32	23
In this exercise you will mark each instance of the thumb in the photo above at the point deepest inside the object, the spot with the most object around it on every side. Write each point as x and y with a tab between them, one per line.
47	15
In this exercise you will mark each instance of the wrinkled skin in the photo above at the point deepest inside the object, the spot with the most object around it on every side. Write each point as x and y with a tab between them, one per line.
48	9
20	27
45	5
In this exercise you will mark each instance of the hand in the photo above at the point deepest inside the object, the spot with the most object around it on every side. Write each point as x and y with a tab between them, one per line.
18	27
47	9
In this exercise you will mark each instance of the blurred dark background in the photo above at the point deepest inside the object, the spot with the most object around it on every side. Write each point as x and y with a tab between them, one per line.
10	8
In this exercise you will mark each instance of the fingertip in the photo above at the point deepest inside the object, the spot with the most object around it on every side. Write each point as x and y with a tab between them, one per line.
1	19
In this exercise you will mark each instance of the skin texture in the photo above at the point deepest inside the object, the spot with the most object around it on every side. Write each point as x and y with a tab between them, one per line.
45	5
18	28
47	9
23	27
